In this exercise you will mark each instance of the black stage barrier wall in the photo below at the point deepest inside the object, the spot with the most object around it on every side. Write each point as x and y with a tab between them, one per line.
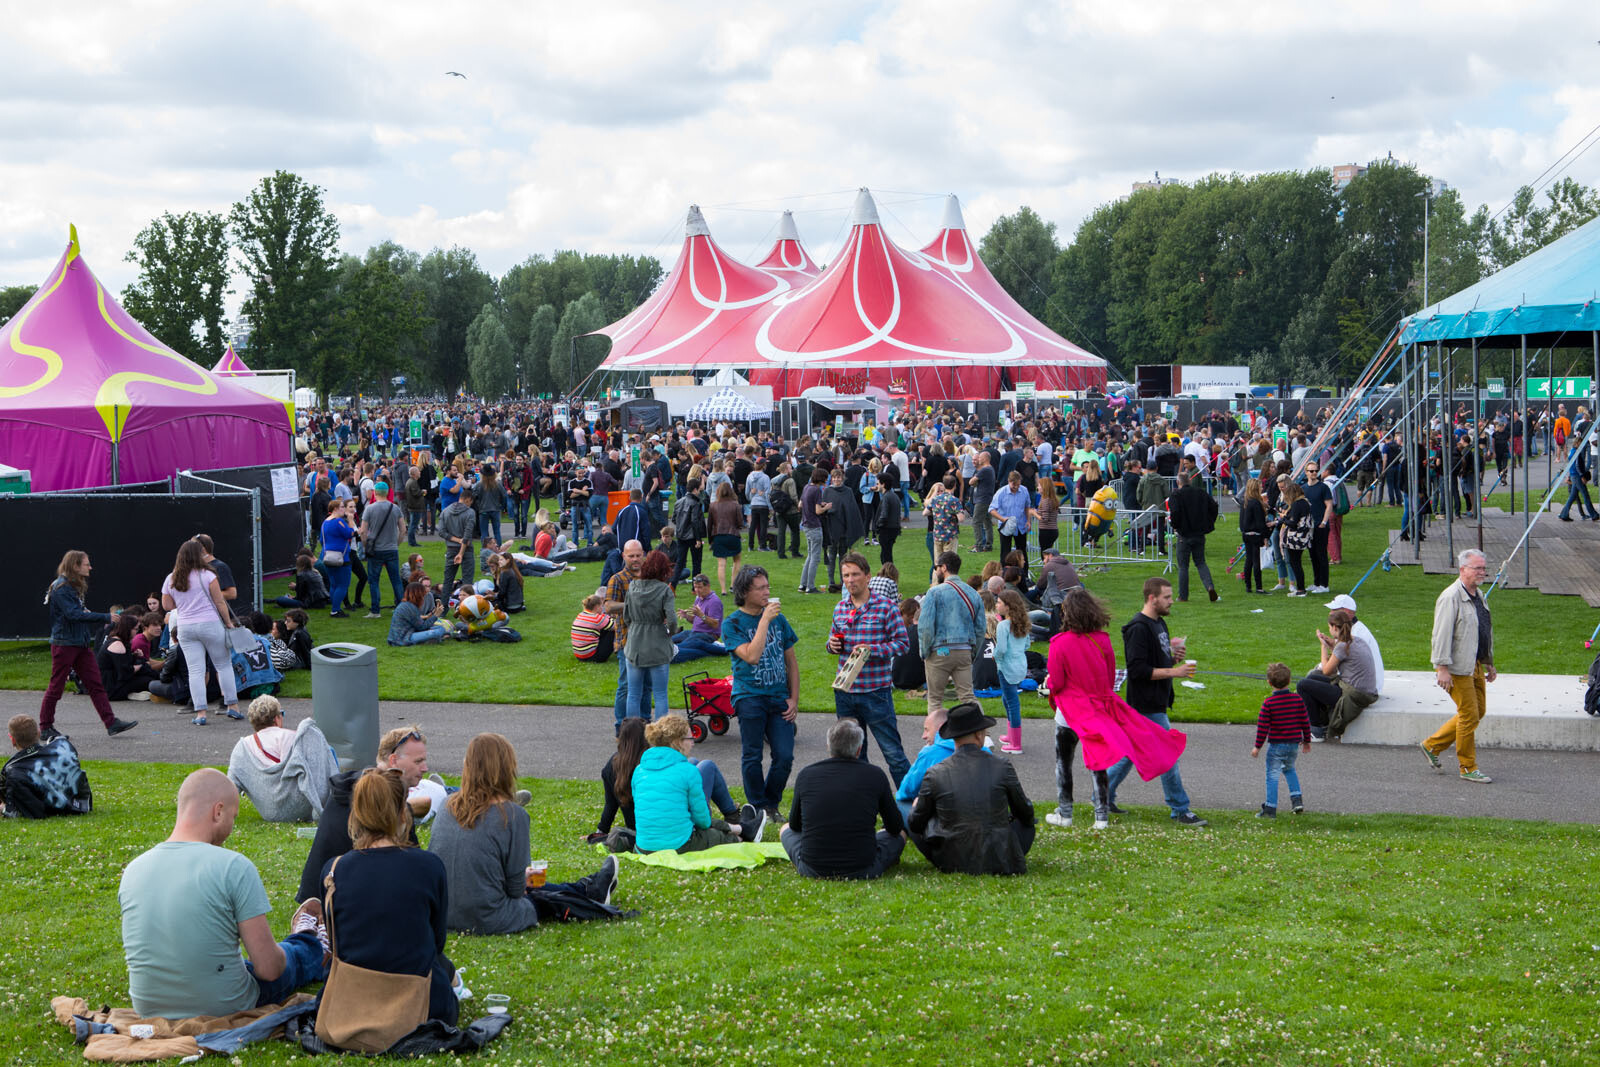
132	540
283	530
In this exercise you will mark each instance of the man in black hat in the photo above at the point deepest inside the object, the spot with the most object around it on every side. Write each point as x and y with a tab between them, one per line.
971	815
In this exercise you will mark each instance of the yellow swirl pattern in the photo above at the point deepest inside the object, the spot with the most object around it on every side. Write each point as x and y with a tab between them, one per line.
50	357
112	399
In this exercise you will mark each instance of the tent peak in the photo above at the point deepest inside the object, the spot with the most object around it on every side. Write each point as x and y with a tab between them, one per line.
952	214
695	225
73	248
786	228
865	212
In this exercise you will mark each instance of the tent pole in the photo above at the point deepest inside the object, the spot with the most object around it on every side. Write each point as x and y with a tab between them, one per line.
1527	451
1477	445
1549	411
1408	373
1447	468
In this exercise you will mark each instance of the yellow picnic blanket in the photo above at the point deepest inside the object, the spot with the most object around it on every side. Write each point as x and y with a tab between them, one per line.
173	1038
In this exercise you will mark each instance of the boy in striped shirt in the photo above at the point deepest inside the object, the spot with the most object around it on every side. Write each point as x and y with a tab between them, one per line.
1282	725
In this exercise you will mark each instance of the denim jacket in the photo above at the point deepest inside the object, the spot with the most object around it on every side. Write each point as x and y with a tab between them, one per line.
70	622
949	617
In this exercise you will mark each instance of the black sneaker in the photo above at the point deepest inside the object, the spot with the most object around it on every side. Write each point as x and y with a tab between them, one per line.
1189	818
120	725
1113	809
49	733
1267	812
1297	803
774	816
1212	593
338	614
751	823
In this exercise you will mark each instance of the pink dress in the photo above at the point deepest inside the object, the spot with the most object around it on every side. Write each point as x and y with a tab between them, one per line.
1079	672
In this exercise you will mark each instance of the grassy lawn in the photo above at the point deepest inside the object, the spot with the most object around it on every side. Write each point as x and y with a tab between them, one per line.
1534	633
1319	939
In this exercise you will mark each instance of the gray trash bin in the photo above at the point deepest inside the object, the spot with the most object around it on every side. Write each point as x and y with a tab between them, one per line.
344	701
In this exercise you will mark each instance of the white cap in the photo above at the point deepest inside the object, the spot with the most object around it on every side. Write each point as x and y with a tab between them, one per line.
1343	600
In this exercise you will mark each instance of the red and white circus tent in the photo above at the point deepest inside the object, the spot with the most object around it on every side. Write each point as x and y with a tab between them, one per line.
931	324
687	323
789	257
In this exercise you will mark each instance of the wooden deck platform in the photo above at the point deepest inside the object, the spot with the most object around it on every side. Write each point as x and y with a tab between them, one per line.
1563	557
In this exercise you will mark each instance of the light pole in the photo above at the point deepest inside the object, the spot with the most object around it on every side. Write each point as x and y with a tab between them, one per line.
1427	201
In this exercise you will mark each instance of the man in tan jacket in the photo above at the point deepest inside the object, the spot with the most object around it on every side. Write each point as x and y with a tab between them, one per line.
1463	657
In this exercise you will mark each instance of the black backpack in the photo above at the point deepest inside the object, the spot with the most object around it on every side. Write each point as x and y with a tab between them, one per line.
782	502
1591	696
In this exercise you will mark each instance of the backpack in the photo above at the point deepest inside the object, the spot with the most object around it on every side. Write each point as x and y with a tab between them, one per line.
782	502
503	634
1341	500
1591	696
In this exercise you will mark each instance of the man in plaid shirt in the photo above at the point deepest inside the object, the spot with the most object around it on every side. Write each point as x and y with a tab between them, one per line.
864	619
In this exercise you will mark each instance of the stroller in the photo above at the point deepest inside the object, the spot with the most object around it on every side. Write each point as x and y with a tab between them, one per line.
710	697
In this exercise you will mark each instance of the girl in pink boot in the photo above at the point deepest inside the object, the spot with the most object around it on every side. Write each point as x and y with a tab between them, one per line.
1013	632
1080	672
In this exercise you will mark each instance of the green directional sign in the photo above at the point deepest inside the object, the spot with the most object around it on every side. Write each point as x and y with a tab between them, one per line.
1564	388
1497	388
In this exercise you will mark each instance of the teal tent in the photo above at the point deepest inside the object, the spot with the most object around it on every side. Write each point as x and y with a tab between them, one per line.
1550	297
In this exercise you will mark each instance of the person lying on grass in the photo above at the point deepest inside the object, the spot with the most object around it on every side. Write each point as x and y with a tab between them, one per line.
481	835
670	793
188	904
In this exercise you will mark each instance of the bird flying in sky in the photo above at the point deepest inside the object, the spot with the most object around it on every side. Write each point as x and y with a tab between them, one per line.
455	74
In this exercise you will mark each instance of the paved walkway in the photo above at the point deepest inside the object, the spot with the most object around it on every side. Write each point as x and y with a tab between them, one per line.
567	742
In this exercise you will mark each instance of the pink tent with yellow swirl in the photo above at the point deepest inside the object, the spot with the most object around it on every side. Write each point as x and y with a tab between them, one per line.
89	398
232	366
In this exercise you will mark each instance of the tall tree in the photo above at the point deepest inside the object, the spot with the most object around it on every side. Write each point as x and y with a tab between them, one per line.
379	324
490	357
288	243
12	297
1020	250
583	315
182	283
536	352
1528	226
1081	281
456	289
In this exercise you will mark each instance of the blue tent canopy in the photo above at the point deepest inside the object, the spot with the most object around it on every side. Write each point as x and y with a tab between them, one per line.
1550	293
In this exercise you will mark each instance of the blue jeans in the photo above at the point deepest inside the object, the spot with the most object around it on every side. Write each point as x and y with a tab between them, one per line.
1011	700
413	523
621	707
1280	759
1171	782
716	787
430	636
643	683
874	710
519	517
692	645
598	505
378	561
302	966
761	722
581	528
338	584
1580	492
486	519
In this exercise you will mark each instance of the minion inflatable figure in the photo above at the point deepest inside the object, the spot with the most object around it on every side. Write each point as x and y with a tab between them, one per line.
1102	513
476	614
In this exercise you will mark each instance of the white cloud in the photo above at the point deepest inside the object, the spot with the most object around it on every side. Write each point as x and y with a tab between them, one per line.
594	126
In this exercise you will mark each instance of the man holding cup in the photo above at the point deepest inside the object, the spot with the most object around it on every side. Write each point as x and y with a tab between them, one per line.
1150	656
766	686
869	624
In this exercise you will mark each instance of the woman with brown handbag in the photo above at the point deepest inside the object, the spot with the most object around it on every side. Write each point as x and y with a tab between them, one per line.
385	904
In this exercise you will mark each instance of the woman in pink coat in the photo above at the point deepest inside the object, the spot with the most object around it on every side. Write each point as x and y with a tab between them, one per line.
1080	673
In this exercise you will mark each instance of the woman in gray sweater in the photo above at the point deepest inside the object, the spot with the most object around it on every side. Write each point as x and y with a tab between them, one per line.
651	621
481	835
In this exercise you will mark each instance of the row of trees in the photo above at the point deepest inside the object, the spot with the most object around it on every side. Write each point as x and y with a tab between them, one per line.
354	323
1283	271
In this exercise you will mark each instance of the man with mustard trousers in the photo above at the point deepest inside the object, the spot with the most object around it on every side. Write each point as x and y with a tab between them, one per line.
1463	657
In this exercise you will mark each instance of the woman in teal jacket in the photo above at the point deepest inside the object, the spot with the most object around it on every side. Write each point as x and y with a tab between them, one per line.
670	812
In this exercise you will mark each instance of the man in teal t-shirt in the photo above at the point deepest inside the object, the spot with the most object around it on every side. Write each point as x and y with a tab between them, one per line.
188	904
766	686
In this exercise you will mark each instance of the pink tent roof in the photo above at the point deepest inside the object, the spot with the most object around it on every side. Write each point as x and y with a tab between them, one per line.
88	397
687	321
230	365
789	257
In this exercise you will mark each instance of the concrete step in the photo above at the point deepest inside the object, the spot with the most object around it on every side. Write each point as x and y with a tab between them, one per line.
1542	711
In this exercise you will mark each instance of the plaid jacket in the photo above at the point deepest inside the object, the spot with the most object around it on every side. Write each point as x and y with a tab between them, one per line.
878	624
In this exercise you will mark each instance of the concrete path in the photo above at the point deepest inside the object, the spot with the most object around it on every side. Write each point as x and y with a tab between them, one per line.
567	742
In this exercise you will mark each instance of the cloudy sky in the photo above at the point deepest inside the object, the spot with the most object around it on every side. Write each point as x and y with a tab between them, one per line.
593	126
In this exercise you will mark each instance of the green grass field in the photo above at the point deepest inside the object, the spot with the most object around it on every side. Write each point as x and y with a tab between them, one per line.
1318	939
1534	633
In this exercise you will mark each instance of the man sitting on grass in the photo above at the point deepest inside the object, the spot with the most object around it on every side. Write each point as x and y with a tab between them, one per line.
43	778
832	830
187	906
971	815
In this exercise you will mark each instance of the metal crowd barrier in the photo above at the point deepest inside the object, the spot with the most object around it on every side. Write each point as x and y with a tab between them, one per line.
1142	537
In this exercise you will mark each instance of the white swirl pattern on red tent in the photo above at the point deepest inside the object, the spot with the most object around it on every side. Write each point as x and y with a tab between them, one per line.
789	256
706	293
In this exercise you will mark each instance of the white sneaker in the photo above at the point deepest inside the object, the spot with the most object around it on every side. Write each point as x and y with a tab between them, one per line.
1055	818
1101	824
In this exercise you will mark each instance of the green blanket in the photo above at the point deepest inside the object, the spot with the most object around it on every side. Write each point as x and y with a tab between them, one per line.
752	854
